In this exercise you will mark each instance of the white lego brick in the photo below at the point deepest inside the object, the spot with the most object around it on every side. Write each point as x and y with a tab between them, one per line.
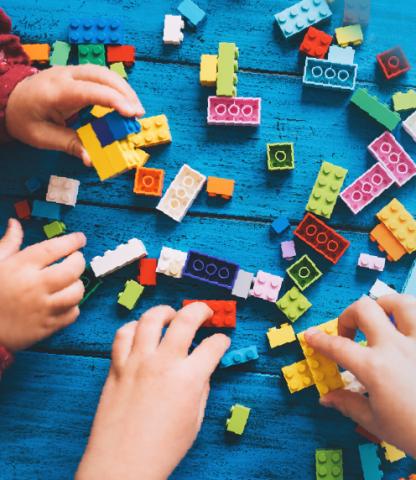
171	262
409	125
122	256
342	55
379	289
242	284
172	31
372	262
63	190
351	382
181	193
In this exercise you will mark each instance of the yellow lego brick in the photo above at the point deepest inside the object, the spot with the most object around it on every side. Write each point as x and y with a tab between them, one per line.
392	453
95	151
400	223
208	70
116	156
298	376
324	371
134	157
98	111
281	336
155	131
350	35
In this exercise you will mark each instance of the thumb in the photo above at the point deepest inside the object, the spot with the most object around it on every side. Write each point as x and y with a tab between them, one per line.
12	239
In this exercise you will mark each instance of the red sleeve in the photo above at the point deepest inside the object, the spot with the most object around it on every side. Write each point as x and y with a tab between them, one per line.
6	359
5	22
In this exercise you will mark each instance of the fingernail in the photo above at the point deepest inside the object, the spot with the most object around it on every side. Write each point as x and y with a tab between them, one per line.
312	331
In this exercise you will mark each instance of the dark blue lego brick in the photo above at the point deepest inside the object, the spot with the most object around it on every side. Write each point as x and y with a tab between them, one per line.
325	74
41	209
96	30
102	131
210	270
33	184
280	225
121	126
191	12
235	357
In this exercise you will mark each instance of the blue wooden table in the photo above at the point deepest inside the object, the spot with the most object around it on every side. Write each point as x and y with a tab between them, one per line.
48	398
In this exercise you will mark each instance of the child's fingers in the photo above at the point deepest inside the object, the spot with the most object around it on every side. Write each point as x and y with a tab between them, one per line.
12	239
65	273
208	353
403	310
65	319
122	345
67	298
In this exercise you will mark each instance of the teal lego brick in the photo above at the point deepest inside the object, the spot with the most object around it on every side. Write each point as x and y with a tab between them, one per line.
329	464
60	53
370	462
280	156
409	287
193	14
42	209
227	67
91	54
304	272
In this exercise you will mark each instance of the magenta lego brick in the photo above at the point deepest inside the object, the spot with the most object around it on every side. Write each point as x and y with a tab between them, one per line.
238	111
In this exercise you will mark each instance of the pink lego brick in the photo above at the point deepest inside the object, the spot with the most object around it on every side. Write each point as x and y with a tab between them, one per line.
266	286
387	150
366	188
371	262
234	111
288	250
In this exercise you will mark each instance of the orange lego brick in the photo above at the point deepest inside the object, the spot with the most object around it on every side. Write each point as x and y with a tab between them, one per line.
298	376
222	187
121	53
149	181
386	242
225	313
38	52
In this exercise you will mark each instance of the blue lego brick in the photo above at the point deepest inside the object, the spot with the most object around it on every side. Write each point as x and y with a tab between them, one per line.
235	357
121	126
96	30
41	209
191	12
370	462
33	184
326	74
280	225
210	270
302	15
102	131
409	287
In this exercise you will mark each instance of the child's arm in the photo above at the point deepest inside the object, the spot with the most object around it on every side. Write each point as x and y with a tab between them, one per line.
386	367
154	399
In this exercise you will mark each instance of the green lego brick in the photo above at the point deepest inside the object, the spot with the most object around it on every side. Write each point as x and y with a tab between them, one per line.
404	101
377	110
91	283
280	156
91	54
227	68
118	67
54	229
304	272
329	464
60	53
130	295
325	192
293	304
238	419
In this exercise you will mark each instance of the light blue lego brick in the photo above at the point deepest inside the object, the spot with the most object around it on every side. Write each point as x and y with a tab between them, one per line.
339	54
326	74
191	12
409	287
280	225
370	462
43	209
302	15
96	30
236	357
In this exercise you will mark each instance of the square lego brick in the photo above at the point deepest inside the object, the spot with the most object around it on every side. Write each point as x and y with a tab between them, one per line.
329	464
266	286
288	250
280	156
304	272
280	225
349	35
171	262
149	181
94	54
298	376
393	63
63	190
22	209
293	304
315	43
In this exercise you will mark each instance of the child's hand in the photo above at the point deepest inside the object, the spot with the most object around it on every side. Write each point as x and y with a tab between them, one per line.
387	367
37	296
153	402
39	105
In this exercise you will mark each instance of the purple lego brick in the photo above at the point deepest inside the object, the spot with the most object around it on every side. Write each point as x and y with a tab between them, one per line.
371	262
288	250
234	111
102	131
266	286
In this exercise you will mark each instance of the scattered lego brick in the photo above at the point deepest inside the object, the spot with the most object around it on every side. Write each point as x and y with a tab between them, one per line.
96	30
172	30
154	131
280	225
193	15
37	52
121	53
60	53
119	68
242	284
171	262
266	286
281	336
41	209
129	156
409	125
371	105
237	357
113	126
238	419
210	270
131	294
356	11
325	74
349	35
280	156
409	287
293	304
403	101
341	55
227	68
22	209
91	284
225	313
387	243
302	15
298	376
220	187
392	453
393	63
33	184
352	383
94	54
371	262
326	189
288	250
322	238
149	181
315	43
63	190
54	229
369	436
304	272
370	463
400	223
208	70
147	269
329	464
238	111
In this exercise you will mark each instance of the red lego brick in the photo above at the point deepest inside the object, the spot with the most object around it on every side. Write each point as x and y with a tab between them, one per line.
393	62
149	181
22	209
225	313
316	43
322	238
369	436
121	53
147	275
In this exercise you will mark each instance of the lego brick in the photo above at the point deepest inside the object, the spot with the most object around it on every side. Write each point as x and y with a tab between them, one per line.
210	270
315	43
302	15
227	68
281	336
171	262
293	304
242	284
280	225
393	63
149	181
386	242
371	105
33	184
329	464
131	294
298	376
60	53
102	131
341	55
117	157
181	193
370	462
238	419
409	125
222	187
37	52
392	453
239	111
326	189
388	151
409	287
22	209
403	101
120	127
225	313
154	131
304	272
98	111
132	157
280	156
147	275
371	262
351	382
400	223
266	286
54	229
325	74
119	68
63	190
366	188
95	30
237	357
91	54
41	209
208	70
349	35
121	53
172	30
322	238
288	250
369	436
324	371
356	11
379	289
91	284
120	257
193	14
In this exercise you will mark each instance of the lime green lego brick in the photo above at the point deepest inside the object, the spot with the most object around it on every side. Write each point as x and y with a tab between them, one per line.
54	229
404	101
304	272
280	156
130	295
329	464
293	304
91	53
60	53
325	192
118	67
227	68
238	419
377	110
